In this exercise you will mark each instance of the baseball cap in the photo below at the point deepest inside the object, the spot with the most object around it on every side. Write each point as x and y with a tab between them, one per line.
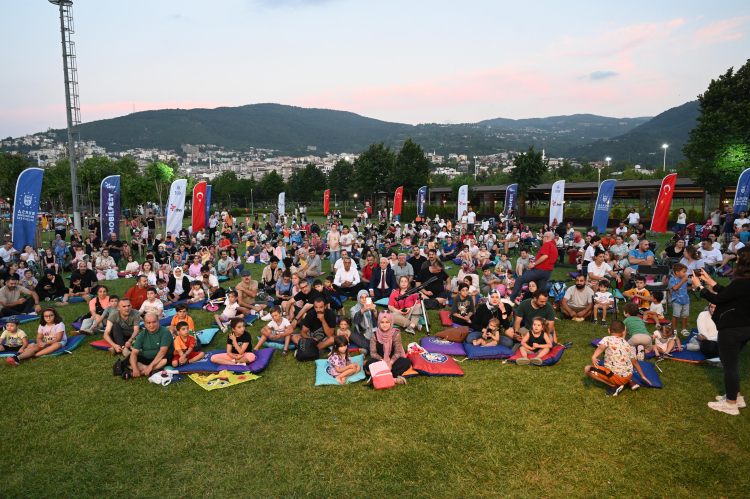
245	273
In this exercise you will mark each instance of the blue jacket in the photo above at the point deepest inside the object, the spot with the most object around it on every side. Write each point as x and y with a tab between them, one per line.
389	276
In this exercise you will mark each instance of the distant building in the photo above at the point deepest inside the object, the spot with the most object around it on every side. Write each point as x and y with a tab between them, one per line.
188	149
312	148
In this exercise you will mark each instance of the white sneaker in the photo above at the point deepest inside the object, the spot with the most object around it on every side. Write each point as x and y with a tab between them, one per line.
266	318
726	407
685	333
740	400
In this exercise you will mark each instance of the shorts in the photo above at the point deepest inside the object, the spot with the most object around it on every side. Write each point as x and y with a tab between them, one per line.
728	237
144	360
63	343
11	349
318	335
606	375
225	318
335	256
643	340
191	355
679	310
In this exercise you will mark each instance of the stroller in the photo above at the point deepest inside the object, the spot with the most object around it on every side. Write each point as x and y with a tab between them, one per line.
706	229
688	234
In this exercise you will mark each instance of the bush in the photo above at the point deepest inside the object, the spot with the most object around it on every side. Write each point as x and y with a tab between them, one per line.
694	216
240	212
617	214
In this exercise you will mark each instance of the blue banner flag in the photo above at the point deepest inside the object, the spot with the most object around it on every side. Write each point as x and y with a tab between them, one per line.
422	202
743	191
26	207
603	203
208	205
510	198
110	207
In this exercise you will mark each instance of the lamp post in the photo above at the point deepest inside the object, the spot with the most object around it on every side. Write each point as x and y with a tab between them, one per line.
252	206
476	167
665	157
355	201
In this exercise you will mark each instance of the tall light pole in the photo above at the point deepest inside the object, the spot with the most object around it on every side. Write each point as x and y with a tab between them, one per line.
252	206
476	167
665	157
71	92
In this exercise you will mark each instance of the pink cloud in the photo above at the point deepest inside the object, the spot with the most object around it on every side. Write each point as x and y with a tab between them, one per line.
721	31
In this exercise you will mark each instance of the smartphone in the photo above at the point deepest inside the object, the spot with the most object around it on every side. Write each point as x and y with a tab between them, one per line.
698	272
368	301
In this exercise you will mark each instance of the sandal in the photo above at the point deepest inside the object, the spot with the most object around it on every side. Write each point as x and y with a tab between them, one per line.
126	375
284	353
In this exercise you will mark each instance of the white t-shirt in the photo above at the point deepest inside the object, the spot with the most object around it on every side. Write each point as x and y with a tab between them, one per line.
157	307
621	231
658	308
599	271
682	218
472	217
579	298
231	309
710	257
603	298
588	256
715	218
281	327
346	241
633	218
739	222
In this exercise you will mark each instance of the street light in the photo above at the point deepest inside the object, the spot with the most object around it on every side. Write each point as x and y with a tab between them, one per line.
475	167
665	157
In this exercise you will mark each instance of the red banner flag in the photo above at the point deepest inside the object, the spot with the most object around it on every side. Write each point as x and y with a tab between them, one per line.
397	201
663	204
327	202
199	206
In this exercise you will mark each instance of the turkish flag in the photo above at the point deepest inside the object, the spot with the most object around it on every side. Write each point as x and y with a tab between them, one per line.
327	202
397	201
199	206
663	204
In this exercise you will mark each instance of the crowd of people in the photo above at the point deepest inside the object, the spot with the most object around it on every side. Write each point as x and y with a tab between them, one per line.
501	292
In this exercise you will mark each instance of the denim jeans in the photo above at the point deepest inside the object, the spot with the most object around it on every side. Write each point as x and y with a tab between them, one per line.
539	276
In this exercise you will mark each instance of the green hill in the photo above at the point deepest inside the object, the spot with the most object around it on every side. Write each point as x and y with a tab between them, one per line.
644	143
577	126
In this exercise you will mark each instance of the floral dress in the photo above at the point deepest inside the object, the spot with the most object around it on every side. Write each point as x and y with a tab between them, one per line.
335	360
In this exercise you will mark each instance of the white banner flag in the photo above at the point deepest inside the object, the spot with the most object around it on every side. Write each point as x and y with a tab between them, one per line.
176	206
282	198
463	201
556	203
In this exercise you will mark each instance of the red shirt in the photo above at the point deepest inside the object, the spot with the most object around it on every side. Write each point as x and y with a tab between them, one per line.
137	296
550	250
407	302
225	243
367	272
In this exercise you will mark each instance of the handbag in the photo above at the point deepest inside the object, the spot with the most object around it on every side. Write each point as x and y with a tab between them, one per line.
454	334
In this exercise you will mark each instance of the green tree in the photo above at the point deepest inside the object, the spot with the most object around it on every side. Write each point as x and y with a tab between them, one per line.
341	179
56	185
411	169
565	171
465	179
271	185
223	186
90	174
11	166
372	170
313	181
529	169
718	148
161	175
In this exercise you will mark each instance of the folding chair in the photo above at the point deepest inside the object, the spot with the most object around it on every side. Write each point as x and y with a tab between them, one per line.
660	273
613	311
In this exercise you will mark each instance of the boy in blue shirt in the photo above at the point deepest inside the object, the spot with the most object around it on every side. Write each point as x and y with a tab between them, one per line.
449	249
680	298
745	233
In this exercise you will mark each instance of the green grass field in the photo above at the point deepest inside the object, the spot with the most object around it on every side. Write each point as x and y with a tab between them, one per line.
71	429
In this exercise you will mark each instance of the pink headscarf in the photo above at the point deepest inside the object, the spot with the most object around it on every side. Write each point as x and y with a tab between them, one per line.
385	338
577	236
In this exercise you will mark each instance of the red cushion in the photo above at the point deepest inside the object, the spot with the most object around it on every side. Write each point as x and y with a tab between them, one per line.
100	344
435	364
445	317
551	358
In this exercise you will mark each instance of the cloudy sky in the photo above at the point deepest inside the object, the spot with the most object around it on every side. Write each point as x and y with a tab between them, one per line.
405	61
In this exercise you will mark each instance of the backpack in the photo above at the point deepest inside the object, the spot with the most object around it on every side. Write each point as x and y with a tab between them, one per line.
119	367
557	291
432	304
307	349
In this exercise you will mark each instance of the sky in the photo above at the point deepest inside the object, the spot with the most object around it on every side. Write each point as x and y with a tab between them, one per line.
407	61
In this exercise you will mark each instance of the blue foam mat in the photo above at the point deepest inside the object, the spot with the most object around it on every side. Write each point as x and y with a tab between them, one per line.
73	343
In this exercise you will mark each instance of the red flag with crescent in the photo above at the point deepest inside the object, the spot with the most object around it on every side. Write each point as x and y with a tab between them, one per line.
327	202
397	201
663	204
199	206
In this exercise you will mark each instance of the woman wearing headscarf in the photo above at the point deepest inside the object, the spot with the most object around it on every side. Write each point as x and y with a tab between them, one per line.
576	246
178	285
363	316
492	309
386	345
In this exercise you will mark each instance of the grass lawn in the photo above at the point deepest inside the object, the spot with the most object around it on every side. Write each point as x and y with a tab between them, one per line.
73	430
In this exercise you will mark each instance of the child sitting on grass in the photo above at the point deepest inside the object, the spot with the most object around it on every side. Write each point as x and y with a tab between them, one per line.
344	329
196	292
238	342
15	339
181	316
655	312
152	305
230	311
666	341
184	345
603	300
278	328
619	361
637	334
340	365
491	337
536	341
503	267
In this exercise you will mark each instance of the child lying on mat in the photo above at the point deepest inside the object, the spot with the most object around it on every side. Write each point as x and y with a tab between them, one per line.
491	337
536	341
278	328
183	347
619	361
666	341
655	312
181	316
237	344
340	366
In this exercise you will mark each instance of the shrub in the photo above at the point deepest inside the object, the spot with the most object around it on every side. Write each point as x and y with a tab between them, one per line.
617	214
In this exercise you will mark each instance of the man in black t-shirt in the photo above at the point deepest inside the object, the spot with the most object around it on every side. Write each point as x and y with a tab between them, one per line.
151	222
306	294
416	259
319	324
114	246
87	277
437	289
